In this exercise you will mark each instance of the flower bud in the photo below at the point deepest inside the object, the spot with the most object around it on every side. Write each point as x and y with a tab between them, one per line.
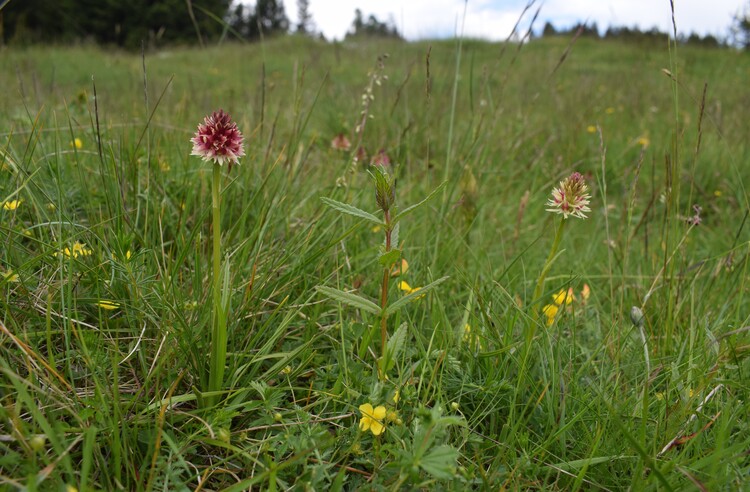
636	316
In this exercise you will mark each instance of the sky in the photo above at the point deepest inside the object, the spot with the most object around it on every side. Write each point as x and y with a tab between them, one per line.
494	19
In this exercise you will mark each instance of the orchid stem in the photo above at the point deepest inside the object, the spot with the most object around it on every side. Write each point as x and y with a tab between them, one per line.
384	300
539	290
219	329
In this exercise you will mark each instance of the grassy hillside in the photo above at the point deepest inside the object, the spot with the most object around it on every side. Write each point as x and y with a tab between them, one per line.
106	268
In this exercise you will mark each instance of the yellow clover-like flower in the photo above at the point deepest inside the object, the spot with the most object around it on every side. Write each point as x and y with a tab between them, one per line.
372	418
408	289
550	311
400	268
564	297
12	204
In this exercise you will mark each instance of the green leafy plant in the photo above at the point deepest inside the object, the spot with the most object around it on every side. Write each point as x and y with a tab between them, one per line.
389	255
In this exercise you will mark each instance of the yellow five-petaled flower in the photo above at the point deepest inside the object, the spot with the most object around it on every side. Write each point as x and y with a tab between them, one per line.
372	418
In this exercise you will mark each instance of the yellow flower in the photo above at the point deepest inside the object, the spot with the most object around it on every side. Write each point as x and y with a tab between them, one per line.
471	339
391	416
12	205
718	193
404	286
79	249
591	129
467	333
372	418
9	276
643	141
400	269
550	311
563	297
610	110
376	229
108	305
396	396
77	143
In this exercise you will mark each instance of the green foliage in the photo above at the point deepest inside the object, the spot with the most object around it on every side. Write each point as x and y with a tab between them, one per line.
125	24
103	396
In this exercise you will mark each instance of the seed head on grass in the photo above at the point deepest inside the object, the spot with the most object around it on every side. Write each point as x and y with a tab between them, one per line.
571	197
218	139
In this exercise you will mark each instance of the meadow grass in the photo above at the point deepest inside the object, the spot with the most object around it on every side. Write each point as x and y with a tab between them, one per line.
105	344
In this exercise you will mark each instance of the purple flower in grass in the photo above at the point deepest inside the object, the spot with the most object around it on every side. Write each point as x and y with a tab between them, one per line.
218	139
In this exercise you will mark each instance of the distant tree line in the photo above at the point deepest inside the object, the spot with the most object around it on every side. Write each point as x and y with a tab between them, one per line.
116	22
130	23
630	34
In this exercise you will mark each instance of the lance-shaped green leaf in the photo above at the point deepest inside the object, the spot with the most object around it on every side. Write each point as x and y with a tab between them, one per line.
413	296
351	210
390	258
349	298
395	344
412	208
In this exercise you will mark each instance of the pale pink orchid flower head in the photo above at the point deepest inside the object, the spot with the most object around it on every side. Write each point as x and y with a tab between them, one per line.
571	197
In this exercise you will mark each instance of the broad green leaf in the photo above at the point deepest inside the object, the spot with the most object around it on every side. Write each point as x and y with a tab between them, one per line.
351	210
390	258
440	462
349	298
413	296
412	208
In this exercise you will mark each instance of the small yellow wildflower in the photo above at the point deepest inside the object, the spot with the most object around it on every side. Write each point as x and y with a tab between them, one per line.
396	396
643	141
610	110
591	129
77	143
376	229
12	204
286	371
70	488
79	249
404	286
9	276
400	268
550	311
108	305
372	418
564	297
718	193
467	333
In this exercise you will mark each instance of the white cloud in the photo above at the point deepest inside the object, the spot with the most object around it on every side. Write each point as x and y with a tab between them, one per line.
494	19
